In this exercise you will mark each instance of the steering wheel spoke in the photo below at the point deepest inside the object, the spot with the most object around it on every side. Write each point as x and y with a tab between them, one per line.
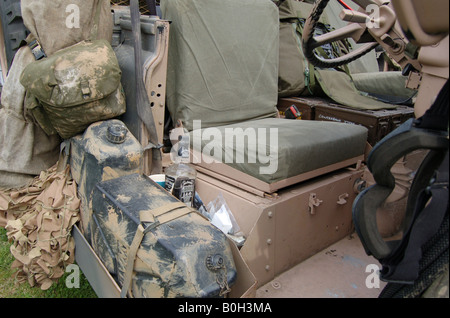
352	30
336	35
365	3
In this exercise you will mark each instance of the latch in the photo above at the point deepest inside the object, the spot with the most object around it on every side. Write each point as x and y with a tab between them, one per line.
85	89
314	202
342	199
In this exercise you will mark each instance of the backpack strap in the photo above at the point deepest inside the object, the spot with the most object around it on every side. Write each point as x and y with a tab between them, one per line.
37	50
95	27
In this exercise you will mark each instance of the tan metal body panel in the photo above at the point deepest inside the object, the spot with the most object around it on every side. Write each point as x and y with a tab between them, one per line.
338	271
92	267
290	226
155	46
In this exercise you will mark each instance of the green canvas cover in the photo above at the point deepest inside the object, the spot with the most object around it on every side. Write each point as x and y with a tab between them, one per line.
339	87
384	84
297	147
296	74
223	79
212	76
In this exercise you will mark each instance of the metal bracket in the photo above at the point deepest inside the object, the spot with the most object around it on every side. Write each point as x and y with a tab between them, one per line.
37	50
313	203
342	199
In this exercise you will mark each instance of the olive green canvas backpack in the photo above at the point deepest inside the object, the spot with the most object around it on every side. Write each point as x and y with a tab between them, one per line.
75	86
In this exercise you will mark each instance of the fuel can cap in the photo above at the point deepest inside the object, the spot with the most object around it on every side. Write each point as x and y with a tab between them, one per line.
116	133
215	262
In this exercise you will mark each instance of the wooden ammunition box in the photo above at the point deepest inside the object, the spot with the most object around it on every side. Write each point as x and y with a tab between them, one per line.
379	122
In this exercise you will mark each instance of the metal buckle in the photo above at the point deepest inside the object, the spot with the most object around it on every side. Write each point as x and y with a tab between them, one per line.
37	50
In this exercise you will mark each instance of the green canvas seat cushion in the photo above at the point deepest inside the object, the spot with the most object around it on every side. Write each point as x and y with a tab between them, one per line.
383	84
297	147
223	60
341	88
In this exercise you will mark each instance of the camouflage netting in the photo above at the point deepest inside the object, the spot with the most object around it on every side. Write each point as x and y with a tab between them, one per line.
142	4
39	219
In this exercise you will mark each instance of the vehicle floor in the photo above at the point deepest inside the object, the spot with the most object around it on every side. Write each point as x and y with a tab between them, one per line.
339	271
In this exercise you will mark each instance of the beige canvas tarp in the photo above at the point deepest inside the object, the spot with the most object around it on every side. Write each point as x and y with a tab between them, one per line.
25	149
62	23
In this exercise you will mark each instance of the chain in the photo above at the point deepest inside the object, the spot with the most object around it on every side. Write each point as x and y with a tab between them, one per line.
222	281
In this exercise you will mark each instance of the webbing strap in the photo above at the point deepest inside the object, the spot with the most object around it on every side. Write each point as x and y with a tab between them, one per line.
144	110
158	216
96	24
130	260
149	216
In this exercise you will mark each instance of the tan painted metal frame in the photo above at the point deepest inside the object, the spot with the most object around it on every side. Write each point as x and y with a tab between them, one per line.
3	59
155	79
251	184
285	229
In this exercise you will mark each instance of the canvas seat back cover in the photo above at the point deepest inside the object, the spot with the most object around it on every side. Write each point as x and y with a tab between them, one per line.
223	61
223	73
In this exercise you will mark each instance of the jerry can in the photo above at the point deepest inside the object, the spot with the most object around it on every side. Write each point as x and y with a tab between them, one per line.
106	150
177	251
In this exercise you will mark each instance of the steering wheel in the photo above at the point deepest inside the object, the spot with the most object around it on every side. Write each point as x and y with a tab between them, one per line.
359	22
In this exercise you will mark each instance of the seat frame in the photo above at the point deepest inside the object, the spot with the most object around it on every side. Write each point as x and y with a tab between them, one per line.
253	185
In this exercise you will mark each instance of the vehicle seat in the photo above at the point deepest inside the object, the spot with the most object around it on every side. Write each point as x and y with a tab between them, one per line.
223	85
388	86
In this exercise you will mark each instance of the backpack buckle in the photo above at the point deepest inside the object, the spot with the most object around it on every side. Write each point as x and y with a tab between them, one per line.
37	50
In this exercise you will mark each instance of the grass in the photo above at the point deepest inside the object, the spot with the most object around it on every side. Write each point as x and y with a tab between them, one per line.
10	289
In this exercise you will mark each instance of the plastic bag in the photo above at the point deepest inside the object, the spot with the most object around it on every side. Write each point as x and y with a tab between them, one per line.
221	216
